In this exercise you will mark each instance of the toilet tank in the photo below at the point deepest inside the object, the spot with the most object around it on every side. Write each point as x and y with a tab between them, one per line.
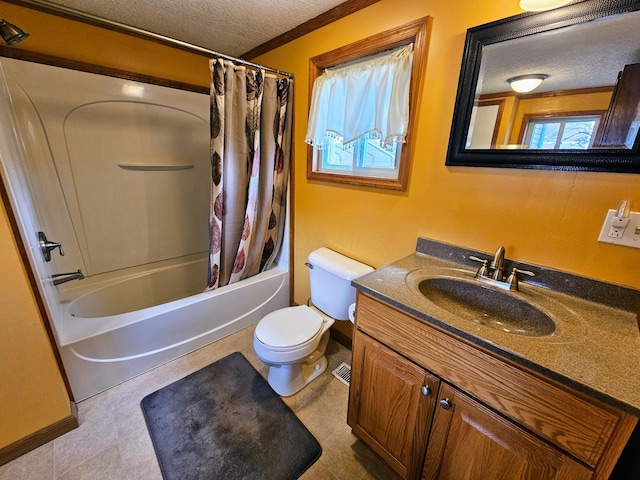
330	276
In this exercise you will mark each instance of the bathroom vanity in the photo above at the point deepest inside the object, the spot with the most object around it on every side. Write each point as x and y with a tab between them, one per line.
439	393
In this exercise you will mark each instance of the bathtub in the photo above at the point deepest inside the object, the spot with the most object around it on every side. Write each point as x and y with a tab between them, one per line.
123	327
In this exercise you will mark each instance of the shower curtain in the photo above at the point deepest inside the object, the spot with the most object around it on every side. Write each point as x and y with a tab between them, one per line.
251	117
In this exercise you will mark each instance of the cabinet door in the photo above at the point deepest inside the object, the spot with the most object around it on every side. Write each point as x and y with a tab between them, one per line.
619	128
391	404
471	442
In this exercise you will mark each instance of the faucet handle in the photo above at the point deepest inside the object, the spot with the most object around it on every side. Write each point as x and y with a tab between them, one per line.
46	246
526	272
513	278
483	271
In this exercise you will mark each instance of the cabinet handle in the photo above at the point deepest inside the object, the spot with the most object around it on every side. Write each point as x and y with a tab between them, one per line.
445	403
425	390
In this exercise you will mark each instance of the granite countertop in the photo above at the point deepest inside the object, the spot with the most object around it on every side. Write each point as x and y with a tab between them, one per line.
595	349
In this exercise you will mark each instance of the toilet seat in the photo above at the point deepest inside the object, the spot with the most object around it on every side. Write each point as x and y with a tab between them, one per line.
289	327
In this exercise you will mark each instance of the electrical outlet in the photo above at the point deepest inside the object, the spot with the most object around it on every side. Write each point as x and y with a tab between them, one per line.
615	232
621	231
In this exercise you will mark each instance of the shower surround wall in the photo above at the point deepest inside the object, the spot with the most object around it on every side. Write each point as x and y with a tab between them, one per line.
118	172
126	180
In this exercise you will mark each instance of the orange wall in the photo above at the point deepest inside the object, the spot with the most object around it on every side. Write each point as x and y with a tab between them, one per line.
33	395
506	123
543	217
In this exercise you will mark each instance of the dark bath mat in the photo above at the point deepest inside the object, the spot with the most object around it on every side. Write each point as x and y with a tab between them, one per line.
224	422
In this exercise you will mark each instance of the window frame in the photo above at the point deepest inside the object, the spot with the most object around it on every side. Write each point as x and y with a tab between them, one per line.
526	119
416	32
563	121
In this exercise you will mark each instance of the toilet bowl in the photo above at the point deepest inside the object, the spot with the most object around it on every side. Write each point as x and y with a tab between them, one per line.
292	341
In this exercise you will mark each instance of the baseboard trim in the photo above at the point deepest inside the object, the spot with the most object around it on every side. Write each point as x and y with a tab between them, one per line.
340	337
39	438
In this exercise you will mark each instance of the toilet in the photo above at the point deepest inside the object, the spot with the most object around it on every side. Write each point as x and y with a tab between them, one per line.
292	341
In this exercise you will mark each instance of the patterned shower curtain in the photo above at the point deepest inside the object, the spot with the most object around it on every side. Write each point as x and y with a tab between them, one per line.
251	117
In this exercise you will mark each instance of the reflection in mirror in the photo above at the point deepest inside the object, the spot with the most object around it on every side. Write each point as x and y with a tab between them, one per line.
584	112
583	65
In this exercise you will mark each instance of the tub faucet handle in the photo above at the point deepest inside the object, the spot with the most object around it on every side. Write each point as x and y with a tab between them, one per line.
46	246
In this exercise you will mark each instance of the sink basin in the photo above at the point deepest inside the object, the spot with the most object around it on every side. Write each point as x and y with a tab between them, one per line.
486	306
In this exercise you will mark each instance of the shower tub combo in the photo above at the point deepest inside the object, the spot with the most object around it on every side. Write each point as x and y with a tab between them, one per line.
118	173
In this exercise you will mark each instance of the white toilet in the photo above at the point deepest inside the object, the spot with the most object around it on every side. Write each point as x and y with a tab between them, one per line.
292	340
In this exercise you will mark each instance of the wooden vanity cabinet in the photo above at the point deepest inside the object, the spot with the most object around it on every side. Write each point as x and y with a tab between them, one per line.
392	406
482	418
471	442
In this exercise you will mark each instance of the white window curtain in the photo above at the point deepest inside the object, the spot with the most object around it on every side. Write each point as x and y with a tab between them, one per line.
367	97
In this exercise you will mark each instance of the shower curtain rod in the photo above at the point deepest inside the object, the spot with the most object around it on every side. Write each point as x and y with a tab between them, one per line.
99	21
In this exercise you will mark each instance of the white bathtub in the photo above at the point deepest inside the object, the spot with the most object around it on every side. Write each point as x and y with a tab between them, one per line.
118	331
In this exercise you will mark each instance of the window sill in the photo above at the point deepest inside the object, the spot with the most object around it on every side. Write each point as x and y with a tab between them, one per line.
387	183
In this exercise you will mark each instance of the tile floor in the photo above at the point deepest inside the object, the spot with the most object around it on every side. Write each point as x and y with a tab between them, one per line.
112	442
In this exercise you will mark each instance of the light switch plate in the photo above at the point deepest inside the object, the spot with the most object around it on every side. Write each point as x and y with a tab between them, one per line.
628	236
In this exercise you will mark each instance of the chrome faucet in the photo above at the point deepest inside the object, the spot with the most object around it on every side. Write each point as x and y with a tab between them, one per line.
494	274
497	264
59	278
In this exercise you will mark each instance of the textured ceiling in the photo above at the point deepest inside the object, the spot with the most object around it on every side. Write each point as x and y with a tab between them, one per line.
232	27
586	55
581	56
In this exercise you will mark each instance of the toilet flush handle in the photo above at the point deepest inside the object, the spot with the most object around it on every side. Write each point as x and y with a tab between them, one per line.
309	265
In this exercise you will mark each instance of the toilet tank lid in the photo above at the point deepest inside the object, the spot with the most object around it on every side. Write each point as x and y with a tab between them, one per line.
337	264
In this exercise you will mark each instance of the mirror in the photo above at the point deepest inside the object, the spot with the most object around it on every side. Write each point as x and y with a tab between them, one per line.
585	113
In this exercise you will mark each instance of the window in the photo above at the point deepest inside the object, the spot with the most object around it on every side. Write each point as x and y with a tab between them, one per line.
574	132
365	156
375	158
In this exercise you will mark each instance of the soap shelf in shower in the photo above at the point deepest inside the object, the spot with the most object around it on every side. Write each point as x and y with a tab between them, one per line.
154	167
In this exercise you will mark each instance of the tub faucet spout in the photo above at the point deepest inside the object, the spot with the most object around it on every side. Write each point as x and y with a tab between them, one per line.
59	278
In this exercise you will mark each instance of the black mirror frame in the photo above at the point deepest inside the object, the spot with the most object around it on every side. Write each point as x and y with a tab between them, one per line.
598	160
